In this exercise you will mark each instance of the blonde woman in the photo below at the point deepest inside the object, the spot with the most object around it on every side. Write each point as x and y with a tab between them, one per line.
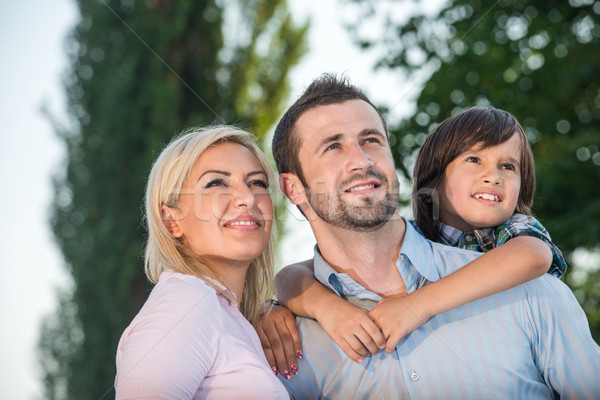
210	254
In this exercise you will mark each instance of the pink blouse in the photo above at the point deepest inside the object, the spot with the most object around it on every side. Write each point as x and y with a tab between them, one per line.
187	342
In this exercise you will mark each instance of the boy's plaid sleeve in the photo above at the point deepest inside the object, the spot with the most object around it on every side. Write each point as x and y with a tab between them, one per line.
526	225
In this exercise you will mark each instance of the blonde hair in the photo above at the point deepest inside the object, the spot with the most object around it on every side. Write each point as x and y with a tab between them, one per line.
163	251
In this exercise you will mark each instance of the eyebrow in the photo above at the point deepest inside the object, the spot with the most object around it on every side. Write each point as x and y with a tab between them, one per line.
514	161
216	171
508	158
369	132
338	136
327	140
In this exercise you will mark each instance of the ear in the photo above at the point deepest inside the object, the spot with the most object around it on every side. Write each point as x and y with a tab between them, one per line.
292	188
168	218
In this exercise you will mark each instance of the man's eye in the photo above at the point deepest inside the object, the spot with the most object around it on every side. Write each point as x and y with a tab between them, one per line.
215	182
333	146
372	140
260	183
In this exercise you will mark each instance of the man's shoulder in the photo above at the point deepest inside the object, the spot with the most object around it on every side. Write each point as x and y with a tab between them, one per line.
547	285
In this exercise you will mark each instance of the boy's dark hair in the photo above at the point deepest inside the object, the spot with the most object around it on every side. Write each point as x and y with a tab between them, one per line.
325	90
476	126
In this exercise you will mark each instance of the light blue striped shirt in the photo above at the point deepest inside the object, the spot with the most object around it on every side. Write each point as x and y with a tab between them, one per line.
529	342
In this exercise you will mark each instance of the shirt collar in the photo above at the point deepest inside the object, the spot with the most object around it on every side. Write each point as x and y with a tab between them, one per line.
448	234
339	282
416	262
452	236
419	257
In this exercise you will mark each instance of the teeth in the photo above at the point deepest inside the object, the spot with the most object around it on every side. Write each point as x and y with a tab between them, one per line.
364	187
486	196
243	223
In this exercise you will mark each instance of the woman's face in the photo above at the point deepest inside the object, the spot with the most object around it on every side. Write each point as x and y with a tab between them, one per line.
225	210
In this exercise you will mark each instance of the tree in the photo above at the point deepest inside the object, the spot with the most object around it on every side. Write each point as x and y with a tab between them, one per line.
536	59
140	72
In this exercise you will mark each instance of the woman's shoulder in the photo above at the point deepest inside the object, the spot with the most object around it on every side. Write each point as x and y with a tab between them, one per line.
180	294
170	281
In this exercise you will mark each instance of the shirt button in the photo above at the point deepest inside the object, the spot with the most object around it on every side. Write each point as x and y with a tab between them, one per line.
414	376
469	238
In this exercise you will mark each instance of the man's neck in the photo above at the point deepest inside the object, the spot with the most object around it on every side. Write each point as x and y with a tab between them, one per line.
367	257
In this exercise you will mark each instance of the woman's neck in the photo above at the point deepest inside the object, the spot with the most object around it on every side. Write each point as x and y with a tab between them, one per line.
233	275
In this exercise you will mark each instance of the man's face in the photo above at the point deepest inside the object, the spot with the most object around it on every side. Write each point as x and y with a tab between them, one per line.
351	180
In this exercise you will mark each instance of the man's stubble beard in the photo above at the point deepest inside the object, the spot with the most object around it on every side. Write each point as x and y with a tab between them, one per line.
369	216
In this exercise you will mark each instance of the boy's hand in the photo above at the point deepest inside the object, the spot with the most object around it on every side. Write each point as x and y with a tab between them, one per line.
351	329
280	340
397	316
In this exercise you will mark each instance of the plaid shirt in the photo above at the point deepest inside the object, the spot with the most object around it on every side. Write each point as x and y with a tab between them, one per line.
483	240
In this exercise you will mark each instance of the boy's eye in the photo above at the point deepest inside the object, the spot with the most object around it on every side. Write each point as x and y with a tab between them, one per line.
215	182
472	159
260	183
508	166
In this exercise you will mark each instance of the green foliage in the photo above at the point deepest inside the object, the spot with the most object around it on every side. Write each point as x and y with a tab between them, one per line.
539	60
141	71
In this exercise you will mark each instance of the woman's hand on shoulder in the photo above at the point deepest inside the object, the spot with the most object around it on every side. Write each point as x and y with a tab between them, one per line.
280	339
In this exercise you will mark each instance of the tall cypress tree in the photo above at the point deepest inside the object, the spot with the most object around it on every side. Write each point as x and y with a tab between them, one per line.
140	72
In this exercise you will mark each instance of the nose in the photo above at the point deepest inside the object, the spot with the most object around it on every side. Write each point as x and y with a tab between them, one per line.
359	159
491	175
243	196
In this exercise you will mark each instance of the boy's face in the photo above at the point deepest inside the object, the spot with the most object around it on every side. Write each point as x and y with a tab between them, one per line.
481	186
348	166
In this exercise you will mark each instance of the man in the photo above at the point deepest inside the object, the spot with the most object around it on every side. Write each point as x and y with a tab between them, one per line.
533	341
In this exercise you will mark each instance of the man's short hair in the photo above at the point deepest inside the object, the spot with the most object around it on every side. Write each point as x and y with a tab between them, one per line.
325	90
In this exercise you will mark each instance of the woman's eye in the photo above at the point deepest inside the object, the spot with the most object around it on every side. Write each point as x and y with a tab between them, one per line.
260	183
214	182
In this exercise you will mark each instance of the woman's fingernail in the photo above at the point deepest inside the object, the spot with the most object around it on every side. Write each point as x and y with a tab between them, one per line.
294	369
286	374
299	354
275	371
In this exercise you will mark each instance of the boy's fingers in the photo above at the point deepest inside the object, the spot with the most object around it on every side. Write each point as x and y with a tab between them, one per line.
357	345
375	333
351	353
367	342
391	343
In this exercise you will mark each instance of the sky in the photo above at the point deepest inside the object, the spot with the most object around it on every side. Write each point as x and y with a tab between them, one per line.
32	34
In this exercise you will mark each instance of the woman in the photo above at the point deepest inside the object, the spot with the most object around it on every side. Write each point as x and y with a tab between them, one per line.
210	253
